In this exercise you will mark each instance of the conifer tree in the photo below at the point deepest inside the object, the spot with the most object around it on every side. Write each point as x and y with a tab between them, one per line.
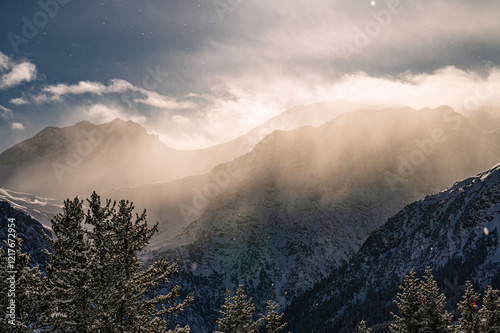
131	302
27	293
69	272
362	327
97	269
490	312
432	306
409	303
273	318
468	308
237	314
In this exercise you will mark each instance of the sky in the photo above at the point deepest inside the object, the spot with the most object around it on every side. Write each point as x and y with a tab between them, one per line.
198	73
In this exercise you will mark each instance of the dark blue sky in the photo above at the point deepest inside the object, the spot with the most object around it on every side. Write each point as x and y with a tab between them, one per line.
201	72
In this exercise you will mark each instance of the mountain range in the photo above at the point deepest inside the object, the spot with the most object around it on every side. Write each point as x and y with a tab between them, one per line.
304	201
288	214
85	157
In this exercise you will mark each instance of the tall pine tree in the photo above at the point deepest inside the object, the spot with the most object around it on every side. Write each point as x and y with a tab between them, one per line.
130	301
69	272
273	318
362	327
421	306
490	312
28	292
97	269
237	314
468	308
409	303
435	319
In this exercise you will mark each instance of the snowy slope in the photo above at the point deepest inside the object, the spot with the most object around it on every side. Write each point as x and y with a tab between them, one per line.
28	229
284	216
304	201
40	209
456	232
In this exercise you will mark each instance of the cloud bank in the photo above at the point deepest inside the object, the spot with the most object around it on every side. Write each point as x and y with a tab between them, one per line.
201	120
198	76
14	73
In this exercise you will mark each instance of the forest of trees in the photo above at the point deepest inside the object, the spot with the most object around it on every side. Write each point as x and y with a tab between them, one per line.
94	281
422	309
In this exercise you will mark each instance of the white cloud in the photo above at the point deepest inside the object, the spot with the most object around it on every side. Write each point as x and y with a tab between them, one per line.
229	112
4	62
56	93
81	87
19	73
17	127
180	119
19	101
101	113
465	91
159	101
5	113
118	86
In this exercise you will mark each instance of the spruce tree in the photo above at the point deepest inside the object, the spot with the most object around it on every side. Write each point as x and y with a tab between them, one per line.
432	307
28	294
97	268
131	300
69	272
468	308
490	312
362	327
237	314
273	318
409	303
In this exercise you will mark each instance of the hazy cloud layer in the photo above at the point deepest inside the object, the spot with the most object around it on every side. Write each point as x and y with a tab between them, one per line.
5	113
198	73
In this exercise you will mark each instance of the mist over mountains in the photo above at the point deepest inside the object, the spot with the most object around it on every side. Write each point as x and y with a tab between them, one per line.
280	210
86	157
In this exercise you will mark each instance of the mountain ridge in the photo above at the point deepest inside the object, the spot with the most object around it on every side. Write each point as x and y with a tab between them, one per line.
304	201
454	231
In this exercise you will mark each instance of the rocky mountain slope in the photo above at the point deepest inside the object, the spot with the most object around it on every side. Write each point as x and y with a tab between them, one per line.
456	232
303	202
40	209
62	162
28	229
284	216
